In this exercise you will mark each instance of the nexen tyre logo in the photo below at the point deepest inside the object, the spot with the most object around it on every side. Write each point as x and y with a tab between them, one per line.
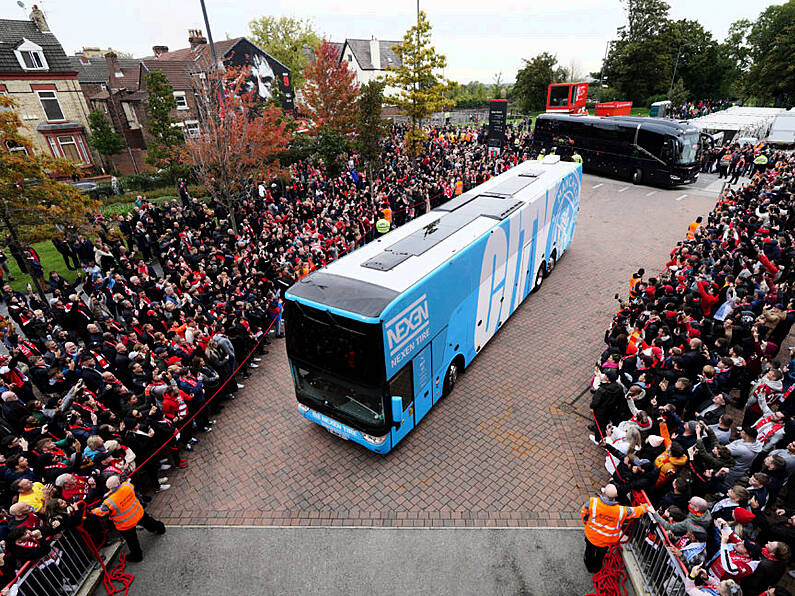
407	325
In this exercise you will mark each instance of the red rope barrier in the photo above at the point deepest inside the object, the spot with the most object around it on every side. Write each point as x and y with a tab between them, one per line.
611	579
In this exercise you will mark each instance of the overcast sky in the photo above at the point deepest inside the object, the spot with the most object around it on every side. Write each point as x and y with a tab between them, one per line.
479	38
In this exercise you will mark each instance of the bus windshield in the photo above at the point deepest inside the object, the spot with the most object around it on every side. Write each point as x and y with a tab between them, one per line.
689	146
344	347
363	404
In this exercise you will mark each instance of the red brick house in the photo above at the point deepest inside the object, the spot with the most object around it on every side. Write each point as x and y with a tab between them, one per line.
118	87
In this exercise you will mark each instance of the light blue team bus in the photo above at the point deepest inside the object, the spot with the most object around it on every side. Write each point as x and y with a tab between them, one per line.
377	337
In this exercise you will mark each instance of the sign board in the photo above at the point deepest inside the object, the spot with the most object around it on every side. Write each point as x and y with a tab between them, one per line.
498	118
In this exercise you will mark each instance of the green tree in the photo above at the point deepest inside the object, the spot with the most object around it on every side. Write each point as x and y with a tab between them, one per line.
329	147
167	140
419	83
369	125
640	61
532	81
102	137
703	67
290	40
738	54
679	94
771	42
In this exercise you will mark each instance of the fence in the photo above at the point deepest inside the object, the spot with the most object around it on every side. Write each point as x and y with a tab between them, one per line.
62	571
662	572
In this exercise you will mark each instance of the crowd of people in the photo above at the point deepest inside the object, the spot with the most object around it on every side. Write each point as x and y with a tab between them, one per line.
110	381
694	395
696	109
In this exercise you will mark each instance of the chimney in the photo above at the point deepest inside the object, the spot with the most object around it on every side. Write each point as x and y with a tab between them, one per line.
375	53
114	72
38	19
158	50
195	38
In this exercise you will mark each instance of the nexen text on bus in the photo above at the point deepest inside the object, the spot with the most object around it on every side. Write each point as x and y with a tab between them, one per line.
405	352
407	324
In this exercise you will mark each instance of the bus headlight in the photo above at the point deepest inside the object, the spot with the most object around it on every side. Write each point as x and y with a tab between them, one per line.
374	440
302	408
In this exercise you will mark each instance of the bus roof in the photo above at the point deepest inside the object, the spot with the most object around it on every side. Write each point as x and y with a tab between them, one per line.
662	125
366	281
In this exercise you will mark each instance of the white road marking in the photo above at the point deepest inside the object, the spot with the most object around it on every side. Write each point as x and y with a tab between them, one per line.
598	185
648	194
623	189
680	198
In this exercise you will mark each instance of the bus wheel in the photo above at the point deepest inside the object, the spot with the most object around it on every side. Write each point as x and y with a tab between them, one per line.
542	271
553	260
450	378
637	176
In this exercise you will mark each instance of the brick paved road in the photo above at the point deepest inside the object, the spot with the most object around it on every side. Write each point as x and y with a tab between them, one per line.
508	448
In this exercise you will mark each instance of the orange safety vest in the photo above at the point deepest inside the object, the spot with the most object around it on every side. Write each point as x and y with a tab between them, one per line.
603	521
459	187
633	283
387	211
691	231
122	507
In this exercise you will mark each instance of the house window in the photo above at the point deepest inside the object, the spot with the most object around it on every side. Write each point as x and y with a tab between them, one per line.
129	112
179	97
30	56
14	147
52	109
350	58
192	128
32	60
69	148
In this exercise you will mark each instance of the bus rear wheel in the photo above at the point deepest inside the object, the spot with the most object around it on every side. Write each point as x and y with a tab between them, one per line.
637	176
450	378
553	260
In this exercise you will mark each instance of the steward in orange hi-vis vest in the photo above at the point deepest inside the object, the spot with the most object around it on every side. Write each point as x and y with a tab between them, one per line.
603	517
124	509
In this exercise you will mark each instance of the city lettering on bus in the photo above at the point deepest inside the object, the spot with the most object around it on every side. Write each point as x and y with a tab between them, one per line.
377	337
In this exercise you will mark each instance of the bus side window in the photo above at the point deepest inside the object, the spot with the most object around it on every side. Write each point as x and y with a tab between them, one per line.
403	385
667	150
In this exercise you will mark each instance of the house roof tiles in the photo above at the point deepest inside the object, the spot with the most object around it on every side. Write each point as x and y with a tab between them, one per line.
361	50
12	32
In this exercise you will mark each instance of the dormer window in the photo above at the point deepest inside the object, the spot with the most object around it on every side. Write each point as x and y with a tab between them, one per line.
30	56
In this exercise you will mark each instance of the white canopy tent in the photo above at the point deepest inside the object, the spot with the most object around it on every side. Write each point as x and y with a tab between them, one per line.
738	121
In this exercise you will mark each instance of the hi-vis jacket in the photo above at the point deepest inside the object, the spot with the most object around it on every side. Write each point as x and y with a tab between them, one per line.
122	507
603	520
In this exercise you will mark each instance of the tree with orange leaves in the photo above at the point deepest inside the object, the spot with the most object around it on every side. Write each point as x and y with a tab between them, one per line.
32	201
330	91
239	139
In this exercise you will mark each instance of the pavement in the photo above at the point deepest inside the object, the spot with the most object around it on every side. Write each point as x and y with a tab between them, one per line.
211	560
508	448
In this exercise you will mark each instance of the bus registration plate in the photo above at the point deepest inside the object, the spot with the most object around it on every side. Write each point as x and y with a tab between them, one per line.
336	433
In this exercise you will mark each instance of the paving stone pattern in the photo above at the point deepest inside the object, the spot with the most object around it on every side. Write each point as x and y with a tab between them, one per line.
507	448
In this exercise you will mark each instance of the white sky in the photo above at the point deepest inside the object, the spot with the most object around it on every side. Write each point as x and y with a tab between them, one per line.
479	38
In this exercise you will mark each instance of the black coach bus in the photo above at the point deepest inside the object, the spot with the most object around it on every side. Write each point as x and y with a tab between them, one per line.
650	150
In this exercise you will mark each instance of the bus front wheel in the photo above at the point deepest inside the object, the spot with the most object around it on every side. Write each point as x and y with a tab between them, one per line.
542	271
450	378
637	176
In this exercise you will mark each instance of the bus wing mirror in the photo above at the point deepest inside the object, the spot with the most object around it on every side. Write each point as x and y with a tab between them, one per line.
397	411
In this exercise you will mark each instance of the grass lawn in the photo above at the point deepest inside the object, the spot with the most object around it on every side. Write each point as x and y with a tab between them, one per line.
51	260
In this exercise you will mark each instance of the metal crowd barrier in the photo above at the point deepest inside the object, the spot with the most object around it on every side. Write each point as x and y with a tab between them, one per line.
663	573
61	572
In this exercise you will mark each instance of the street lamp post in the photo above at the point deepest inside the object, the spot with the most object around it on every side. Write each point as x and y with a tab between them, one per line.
212	47
676	64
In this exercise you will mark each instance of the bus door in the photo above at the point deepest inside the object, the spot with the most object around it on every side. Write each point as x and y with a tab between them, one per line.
401	401
423	388
439	345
